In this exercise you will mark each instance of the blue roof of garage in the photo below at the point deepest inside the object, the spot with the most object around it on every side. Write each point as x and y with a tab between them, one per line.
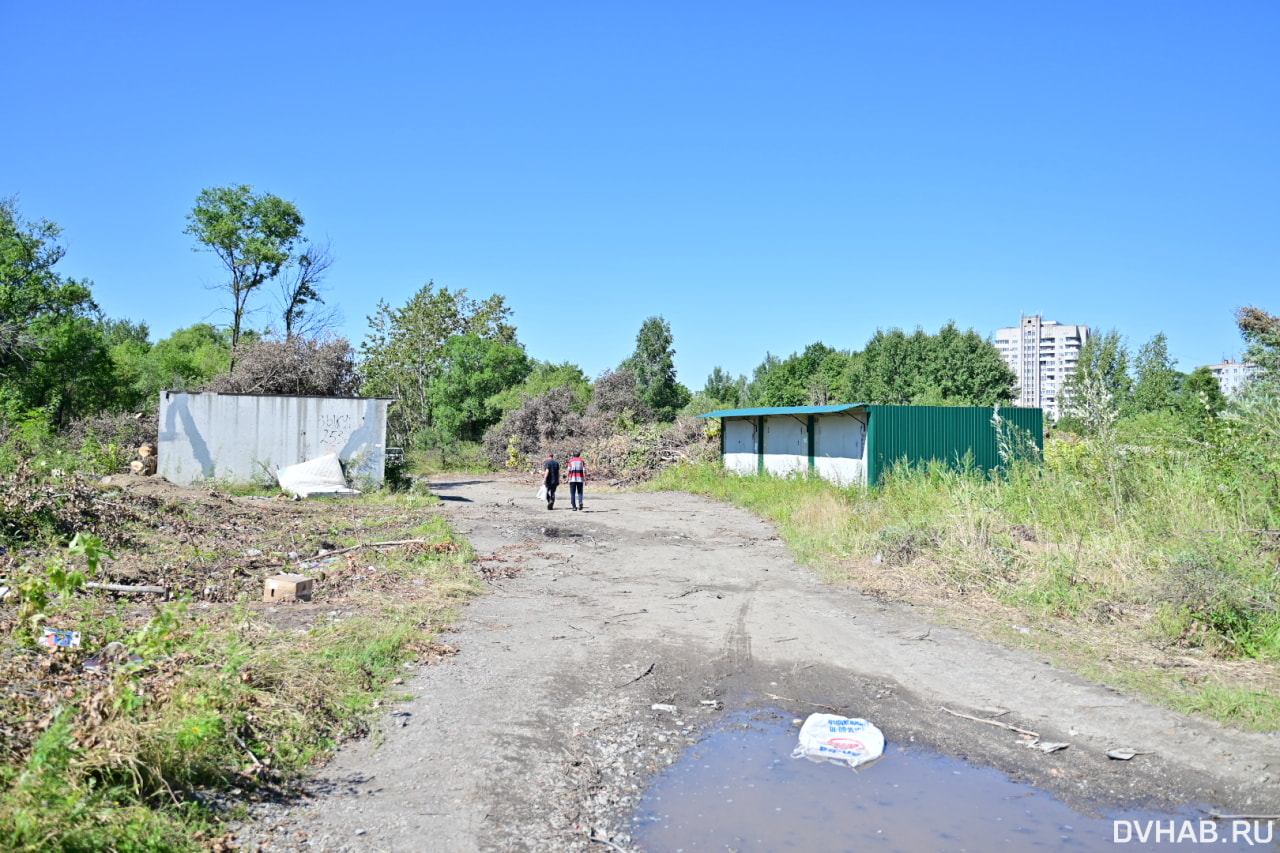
782	410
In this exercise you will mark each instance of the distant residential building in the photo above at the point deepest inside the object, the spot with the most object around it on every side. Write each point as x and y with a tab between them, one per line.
1231	375
1042	353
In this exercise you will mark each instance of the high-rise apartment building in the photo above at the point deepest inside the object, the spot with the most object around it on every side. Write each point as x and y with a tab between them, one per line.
1232	375
1042	353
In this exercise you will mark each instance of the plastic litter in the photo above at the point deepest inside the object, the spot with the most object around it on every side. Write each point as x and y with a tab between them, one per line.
319	476
842	740
1125	754
56	639
113	654
1047	746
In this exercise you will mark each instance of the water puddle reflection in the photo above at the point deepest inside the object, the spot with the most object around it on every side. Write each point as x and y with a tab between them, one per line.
740	790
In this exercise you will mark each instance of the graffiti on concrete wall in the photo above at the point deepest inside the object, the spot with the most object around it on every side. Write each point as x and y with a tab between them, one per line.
335	429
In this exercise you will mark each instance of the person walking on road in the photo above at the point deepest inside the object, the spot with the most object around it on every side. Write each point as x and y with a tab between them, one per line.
551	478
577	479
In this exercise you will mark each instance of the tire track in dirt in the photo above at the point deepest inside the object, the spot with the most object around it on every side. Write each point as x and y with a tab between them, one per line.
541	733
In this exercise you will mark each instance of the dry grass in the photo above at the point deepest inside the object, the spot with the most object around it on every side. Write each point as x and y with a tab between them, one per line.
225	690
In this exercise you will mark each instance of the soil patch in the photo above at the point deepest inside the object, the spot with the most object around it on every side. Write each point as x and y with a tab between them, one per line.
605	650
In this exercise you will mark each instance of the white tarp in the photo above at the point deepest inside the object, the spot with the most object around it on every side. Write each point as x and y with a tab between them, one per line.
319	476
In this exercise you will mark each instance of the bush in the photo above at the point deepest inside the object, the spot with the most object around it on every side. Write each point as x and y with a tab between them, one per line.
1210	599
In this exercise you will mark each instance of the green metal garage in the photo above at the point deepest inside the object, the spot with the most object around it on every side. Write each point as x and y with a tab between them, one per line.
856	443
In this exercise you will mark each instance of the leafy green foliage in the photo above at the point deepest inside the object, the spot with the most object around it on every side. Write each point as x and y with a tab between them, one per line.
1261	332
1155	382
472	371
723	391
185	360
1100	388
53	353
654	368
252	235
951	368
812	378
43	585
1201	399
404	352
543	377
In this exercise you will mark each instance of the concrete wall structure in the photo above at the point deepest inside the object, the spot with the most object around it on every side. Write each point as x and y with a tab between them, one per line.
241	438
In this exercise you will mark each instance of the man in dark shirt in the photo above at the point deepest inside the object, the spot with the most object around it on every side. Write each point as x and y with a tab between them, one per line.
551	478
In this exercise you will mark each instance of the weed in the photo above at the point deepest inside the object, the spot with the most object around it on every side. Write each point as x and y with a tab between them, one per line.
1098	532
1207	595
211	698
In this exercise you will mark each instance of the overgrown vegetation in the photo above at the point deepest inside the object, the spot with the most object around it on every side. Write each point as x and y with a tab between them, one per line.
133	739
1141	549
1156	550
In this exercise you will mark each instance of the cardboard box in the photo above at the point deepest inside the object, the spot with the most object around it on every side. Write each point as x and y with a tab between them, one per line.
288	588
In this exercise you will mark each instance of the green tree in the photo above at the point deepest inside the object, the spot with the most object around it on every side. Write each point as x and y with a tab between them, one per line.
403	352
1202	399
1261	333
252	235
966	369
472	370
724	391
53	354
893	369
128	344
792	381
1100	388
653	364
757	391
545	376
1155	381
186	360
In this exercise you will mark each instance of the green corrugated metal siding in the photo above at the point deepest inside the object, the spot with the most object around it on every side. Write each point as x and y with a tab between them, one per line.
922	433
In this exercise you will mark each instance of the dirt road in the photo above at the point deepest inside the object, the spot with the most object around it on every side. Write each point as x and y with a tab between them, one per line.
540	733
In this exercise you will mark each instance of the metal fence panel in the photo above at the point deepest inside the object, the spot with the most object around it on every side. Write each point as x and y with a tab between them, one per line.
952	435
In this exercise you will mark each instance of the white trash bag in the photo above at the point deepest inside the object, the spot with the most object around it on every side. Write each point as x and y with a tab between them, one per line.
843	740
542	492
320	476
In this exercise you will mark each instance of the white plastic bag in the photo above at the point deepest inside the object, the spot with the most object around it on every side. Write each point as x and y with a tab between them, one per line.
320	476
542	492
844	740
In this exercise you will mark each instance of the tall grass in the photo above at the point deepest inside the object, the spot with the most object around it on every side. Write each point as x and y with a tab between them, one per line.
1099	529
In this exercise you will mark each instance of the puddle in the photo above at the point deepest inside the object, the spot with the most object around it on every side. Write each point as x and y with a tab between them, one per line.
740	790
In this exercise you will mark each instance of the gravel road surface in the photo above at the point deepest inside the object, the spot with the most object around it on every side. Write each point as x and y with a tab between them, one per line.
541	733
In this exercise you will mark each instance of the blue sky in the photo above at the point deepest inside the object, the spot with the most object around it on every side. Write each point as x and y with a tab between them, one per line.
761	175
